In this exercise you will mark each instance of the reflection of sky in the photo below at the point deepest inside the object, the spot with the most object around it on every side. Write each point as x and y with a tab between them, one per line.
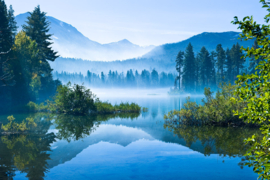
139	149
145	159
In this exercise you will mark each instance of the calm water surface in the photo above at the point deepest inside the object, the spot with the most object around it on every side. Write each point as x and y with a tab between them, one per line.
124	146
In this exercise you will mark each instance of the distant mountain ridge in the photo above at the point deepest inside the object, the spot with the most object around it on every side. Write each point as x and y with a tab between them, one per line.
210	40
161	58
69	42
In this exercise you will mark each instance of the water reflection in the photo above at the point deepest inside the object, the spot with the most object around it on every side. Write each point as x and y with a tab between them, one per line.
31	153
122	146
71	127
26	153
225	141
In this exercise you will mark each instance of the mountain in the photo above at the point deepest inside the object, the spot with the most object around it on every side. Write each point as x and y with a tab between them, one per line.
161	58
69	42
210	40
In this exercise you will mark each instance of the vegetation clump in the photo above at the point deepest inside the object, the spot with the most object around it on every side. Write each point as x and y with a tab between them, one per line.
78	100
218	110
16	128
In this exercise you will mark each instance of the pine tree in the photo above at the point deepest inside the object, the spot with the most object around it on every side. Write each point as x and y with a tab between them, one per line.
198	80
179	64
37	29
238	62
221	57
154	77
213	70
205	68
12	23
189	69
229	66
5	53
102	77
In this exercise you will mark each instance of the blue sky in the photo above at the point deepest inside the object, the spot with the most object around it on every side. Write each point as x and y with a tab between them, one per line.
145	22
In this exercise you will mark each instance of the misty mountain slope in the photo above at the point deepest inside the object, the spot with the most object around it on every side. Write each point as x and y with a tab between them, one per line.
69	42
210	40
161	58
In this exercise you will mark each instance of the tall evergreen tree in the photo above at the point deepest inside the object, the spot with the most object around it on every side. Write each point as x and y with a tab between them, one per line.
213	69
5	53
179	65
154	77
221	57
205	68
37	28
229	66
12	23
102	77
238	62
189	69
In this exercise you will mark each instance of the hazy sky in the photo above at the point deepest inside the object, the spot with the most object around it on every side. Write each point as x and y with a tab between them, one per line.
145	22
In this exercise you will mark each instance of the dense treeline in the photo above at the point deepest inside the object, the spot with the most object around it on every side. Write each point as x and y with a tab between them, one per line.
209	69
144	79
25	73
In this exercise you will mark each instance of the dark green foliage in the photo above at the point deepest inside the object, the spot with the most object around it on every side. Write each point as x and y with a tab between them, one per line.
37	29
78	100
225	141
253	89
25	74
229	66
189	77
221	57
179	65
73	100
205	69
216	110
253	62
12	23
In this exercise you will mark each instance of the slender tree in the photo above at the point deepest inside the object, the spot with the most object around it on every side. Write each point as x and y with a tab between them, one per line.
179	65
221	57
229	66
12	23
189	69
205	68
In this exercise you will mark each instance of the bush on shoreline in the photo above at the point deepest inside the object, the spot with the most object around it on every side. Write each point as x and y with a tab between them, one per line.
78	100
218	110
15	128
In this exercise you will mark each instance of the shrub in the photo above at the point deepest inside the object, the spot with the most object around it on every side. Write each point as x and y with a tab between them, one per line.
13	127
218	110
73	100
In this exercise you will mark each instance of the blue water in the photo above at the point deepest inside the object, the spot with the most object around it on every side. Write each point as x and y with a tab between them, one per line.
140	148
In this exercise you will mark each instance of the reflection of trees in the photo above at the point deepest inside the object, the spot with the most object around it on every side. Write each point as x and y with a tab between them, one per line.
222	140
27	153
72	127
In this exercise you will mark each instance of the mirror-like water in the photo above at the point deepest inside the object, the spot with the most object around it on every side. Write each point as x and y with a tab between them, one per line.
124	146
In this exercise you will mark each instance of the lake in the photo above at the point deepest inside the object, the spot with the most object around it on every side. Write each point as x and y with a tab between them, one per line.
124	146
